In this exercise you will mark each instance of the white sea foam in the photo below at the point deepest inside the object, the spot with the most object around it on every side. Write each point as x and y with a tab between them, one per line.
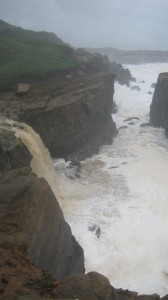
125	191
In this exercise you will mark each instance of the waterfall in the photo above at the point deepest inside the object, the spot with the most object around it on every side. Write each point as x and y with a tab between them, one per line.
42	163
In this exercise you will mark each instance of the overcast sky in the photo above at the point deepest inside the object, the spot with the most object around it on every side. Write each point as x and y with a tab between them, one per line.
124	24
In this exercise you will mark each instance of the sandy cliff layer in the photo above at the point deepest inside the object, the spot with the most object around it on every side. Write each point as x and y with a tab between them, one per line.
72	115
30	216
159	106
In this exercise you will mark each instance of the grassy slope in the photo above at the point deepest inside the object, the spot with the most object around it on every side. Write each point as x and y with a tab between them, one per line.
24	55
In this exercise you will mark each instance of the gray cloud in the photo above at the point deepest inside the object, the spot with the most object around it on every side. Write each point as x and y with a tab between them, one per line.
125	24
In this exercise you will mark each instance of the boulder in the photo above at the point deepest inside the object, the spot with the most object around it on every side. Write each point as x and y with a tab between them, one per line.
131	118
95	228
23	88
135	88
114	108
146	125
92	286
123	127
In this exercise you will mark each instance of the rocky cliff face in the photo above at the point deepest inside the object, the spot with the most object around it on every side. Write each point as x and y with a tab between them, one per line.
71	114
30	216
100	63
159	106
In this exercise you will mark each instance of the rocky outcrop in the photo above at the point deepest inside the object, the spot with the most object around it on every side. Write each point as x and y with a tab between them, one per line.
13	152
72	116
135	88
123	75
30	216
21	280
100	63
159	106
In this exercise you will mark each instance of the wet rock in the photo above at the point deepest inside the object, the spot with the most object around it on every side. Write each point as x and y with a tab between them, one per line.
95	228
92	286
125	294
114	167
153	85
114	108
124	163
131	123
98	231
150	93
123	75
75	166
146	125
135	88
148	297
92	227
13	152
159	106
123	127
130	119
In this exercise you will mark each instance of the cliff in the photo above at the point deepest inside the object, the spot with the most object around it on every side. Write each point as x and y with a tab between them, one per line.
30	216
159	105
72	115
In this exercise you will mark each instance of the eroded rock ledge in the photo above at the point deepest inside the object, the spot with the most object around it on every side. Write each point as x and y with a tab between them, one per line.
72	115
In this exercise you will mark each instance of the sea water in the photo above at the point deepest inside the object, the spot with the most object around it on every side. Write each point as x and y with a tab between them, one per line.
123	189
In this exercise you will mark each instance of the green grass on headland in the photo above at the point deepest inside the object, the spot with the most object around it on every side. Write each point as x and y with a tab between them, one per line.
27	56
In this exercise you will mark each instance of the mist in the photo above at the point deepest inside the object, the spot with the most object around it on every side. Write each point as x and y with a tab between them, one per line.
130	24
